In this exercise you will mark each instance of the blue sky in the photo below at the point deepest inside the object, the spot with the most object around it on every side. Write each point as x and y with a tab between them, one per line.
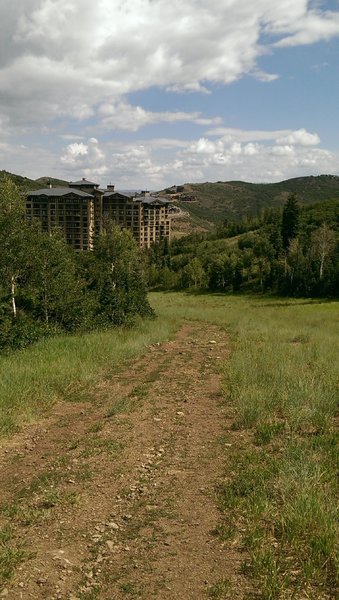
147	93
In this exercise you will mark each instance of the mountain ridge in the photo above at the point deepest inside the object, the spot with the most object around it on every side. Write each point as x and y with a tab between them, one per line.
204	205
201	206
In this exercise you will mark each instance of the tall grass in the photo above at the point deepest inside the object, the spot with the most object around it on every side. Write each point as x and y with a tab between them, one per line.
281	382
31	380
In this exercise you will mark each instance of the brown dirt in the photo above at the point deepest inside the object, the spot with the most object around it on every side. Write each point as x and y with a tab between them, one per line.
115	498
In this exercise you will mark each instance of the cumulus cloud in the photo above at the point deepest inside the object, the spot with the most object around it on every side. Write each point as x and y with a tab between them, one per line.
300	137
122	115
84	158
64	57
73	66
158	162
313	26
267	161
280	136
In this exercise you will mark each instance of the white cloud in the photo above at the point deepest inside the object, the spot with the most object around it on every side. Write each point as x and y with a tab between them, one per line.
74	151
87	159
156	163
251	149
300	137
69	66
268	161
65	57
283	150
121	115
265	77
313	26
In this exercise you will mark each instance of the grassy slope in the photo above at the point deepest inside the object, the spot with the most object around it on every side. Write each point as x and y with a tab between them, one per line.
279	496
63	367
236	199
25	184
45	181
278	499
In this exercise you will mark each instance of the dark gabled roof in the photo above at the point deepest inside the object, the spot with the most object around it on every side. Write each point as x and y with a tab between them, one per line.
59	191
83	181
108	194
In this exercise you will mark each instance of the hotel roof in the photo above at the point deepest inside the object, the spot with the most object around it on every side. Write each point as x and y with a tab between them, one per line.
59	191
83	181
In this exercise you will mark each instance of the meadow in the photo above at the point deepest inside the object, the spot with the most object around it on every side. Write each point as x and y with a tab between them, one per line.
278	498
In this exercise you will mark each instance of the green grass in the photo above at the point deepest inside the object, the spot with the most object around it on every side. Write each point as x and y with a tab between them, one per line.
10	556
280	386
64	367
220	589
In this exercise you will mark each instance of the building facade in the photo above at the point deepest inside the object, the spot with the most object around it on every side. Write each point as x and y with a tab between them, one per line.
83	210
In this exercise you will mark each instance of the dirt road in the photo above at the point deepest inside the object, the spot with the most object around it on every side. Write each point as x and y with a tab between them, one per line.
115	498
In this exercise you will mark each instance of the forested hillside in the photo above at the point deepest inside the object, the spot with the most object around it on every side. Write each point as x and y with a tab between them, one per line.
293	251
25	184
207	204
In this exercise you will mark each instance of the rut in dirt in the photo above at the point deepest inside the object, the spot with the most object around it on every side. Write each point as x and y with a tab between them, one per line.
116	498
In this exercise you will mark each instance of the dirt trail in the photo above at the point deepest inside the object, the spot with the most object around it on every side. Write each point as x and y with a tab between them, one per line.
115	498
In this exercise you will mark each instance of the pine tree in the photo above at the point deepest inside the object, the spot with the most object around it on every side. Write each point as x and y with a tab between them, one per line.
290	221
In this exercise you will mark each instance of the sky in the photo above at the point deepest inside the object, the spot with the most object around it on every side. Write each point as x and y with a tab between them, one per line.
152	93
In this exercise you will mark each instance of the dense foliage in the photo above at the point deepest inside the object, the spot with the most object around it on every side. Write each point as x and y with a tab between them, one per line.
46	287
293	251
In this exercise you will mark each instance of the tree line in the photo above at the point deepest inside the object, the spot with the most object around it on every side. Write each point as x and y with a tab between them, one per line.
47	288
293	251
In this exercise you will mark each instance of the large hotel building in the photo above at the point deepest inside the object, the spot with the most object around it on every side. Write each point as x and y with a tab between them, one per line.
83	209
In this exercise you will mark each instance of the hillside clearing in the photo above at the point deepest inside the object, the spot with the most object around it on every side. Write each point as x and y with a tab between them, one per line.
118	497
204	468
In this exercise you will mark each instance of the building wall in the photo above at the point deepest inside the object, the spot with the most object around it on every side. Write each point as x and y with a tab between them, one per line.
80	218
72	214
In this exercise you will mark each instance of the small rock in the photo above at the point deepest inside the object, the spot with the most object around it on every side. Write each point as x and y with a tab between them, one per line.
4	593
110	545
180	413
113	525
212	342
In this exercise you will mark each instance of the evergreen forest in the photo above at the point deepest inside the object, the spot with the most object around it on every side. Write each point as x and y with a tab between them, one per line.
290	251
